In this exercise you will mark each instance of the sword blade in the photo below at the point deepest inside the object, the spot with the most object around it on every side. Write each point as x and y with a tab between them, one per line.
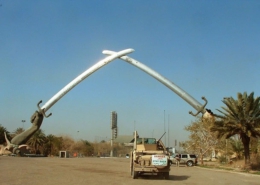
83	76
180	92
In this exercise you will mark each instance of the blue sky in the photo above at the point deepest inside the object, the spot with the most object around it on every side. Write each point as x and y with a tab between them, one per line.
208	48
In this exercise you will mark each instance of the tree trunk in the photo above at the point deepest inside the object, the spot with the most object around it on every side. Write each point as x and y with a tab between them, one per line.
201	157
246	142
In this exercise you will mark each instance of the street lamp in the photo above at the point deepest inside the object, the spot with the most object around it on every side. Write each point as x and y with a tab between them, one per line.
23	121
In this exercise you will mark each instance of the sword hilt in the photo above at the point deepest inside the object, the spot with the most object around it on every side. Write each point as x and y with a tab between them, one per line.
201	109
42	110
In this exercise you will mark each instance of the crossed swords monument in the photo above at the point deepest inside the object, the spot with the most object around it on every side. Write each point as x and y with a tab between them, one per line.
19	140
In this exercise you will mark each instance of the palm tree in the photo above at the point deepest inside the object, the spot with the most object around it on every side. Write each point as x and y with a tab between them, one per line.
242	117
37	140
2	136
49	143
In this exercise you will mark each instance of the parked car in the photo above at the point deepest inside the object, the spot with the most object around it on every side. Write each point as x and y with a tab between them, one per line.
187	159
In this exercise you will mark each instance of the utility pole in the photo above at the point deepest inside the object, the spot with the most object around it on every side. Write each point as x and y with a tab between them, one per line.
77	143
226	150
168	130
111	152
164	127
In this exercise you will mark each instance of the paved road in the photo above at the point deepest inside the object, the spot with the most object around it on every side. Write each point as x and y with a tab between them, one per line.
108	171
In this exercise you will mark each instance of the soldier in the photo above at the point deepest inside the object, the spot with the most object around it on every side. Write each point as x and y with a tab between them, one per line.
177	157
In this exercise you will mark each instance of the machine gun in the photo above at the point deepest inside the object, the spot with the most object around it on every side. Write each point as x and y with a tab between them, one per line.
161	136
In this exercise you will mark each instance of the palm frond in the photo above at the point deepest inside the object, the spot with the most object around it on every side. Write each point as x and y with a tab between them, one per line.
239	116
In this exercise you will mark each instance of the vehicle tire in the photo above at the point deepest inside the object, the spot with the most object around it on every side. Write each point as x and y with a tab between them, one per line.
166	175
189	163
134	175
131	164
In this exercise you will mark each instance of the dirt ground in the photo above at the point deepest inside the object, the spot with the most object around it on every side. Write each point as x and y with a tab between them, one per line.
97	171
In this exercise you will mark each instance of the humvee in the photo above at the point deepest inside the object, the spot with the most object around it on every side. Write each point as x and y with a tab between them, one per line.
149	156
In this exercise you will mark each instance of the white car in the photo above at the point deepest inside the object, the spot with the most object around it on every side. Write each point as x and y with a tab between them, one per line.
187	159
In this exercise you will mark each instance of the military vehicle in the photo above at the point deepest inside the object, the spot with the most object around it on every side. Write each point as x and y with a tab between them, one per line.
149	156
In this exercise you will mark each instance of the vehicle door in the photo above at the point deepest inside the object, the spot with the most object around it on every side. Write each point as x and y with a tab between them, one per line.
184	158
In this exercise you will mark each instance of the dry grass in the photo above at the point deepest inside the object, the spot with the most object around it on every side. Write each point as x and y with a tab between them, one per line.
255	163
238	166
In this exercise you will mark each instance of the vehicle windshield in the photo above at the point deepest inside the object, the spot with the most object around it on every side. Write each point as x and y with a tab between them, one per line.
146	140
173	155
149	141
